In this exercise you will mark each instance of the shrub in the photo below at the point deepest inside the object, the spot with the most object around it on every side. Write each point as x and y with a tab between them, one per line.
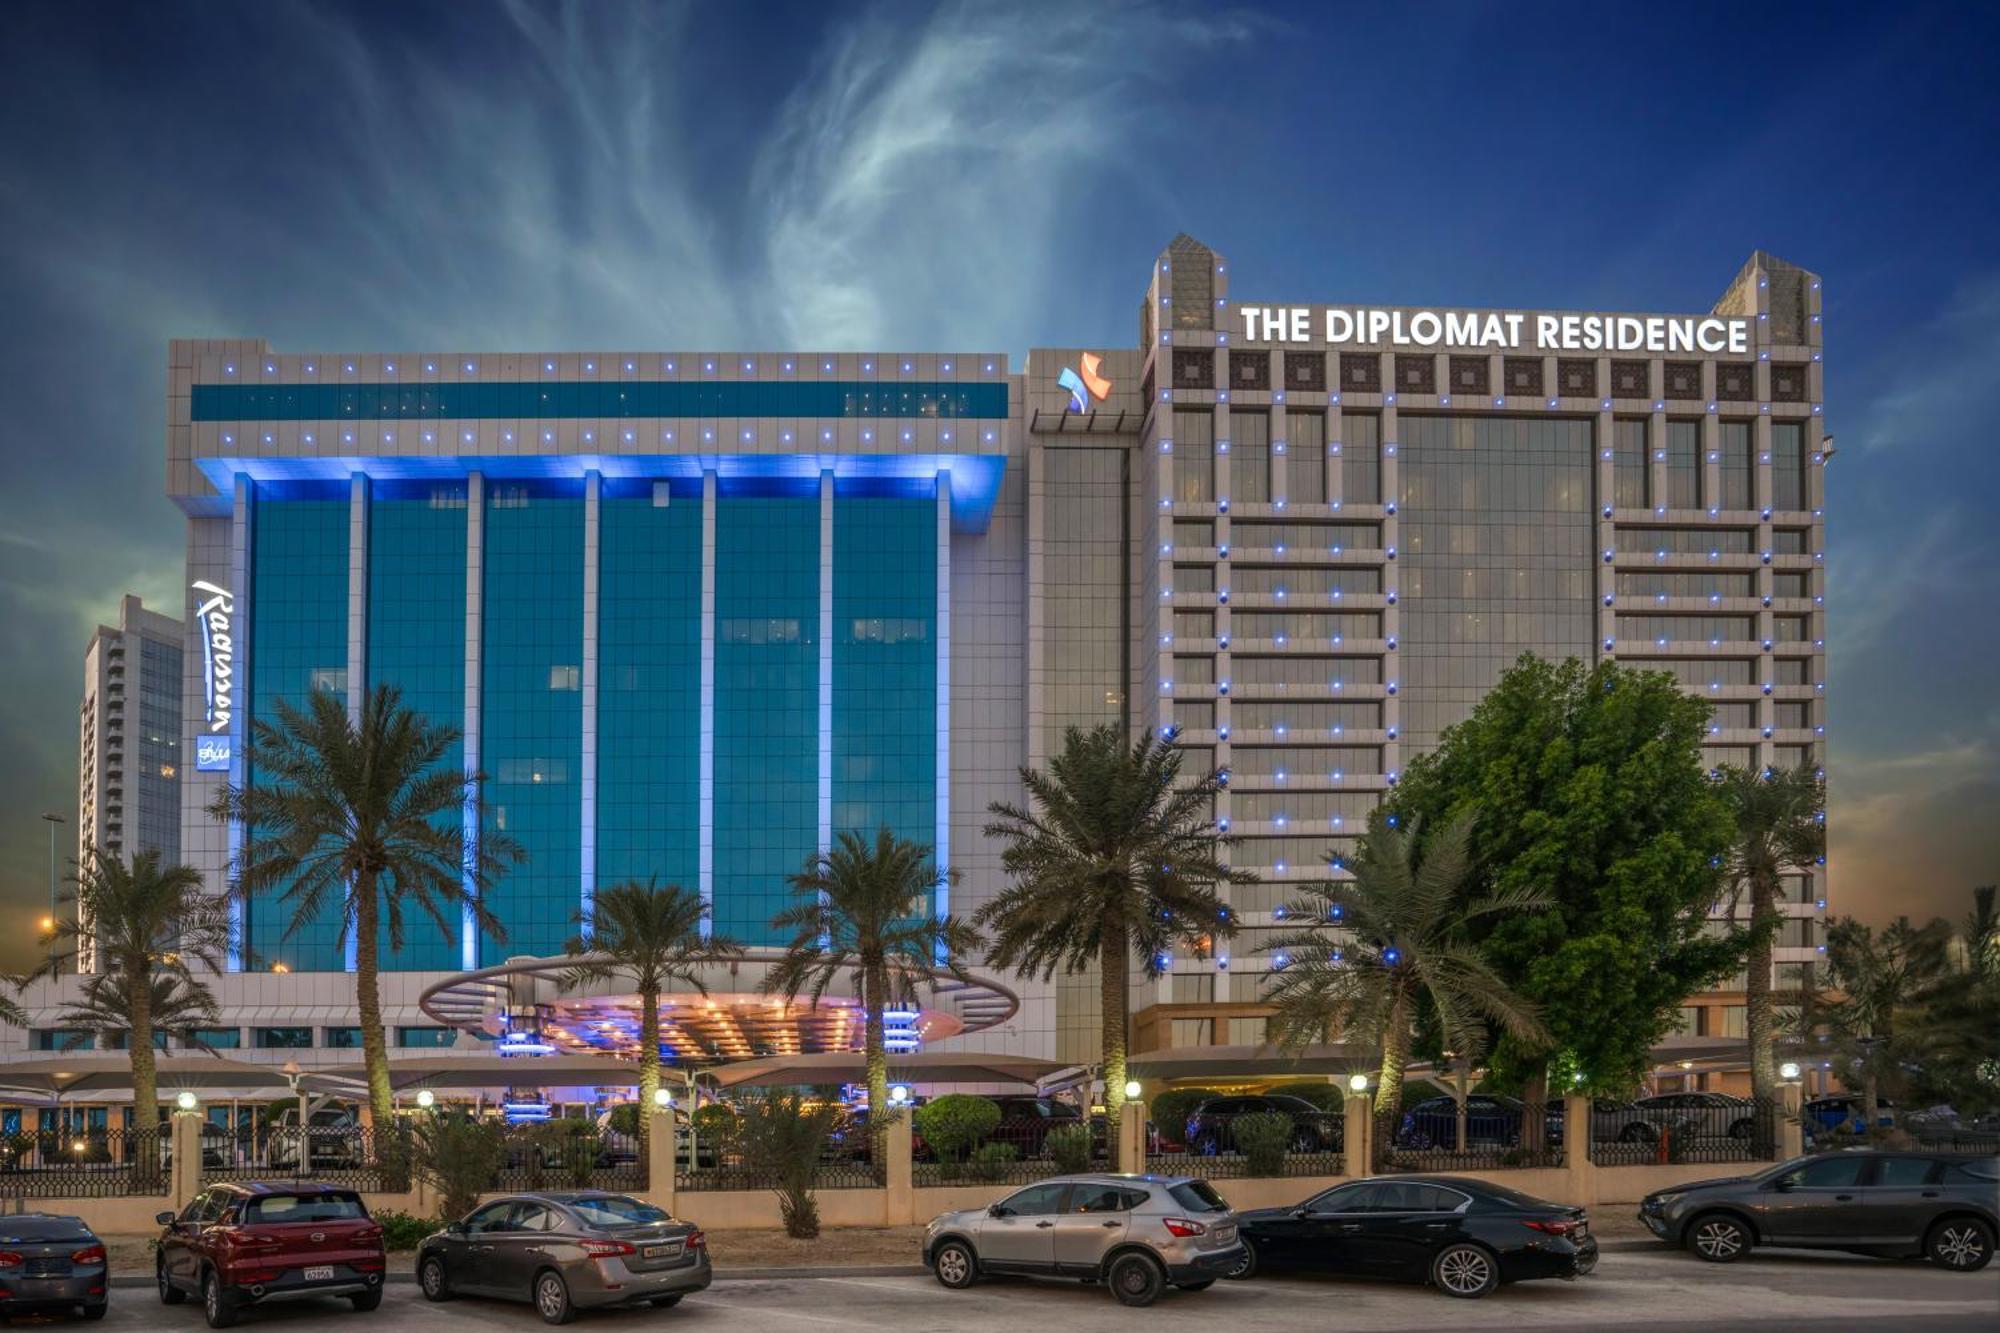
952	1124
990	1161
624	1119
1262	1137
1172	1108
781	1136
714	1123
458	1157
1069	1145
405	1231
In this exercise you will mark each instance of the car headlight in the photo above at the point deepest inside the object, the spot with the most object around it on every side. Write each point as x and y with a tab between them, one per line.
1663	1200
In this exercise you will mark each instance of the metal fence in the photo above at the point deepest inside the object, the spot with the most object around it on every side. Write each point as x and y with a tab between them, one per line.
737	1175
554	1155
86	1164
1426	1138
349	1156
1242	1145
1626	1135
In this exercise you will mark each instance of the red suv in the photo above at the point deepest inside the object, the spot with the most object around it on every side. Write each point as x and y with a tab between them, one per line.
246	1243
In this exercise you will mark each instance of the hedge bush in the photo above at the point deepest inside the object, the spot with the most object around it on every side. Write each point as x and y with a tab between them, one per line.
1262	1137
1069	1146
991	1160
953	1124
405	1231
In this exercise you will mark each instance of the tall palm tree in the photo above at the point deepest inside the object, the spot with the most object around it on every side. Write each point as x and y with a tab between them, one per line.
1883	984
142	922
865	909
1116	856
362	816
179	1006
651	935
1780	830
1376	946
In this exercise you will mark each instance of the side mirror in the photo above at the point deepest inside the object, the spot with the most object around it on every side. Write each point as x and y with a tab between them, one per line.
1783	1184
997	1210
164	1219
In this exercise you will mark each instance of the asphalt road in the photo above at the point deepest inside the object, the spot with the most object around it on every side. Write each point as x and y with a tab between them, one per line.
1633	1292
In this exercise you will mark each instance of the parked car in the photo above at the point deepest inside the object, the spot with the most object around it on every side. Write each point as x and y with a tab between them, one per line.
1942	1127
1841	1114
333	1136
1209	1125
1489	1120
1026	1122
565	1251
243	1244
1136	1234
1464	1237
1705	1115
1939	1205
51	1263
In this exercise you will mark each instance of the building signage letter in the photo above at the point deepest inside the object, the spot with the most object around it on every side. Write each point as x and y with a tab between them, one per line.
218	663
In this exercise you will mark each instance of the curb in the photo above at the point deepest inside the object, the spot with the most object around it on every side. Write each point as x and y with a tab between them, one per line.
136	1283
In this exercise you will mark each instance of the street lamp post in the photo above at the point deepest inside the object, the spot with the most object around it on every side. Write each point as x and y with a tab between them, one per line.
53	820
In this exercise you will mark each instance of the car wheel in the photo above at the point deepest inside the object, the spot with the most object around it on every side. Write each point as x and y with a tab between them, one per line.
1465	1271
955	1265
552	1298
1638	1133
1962	1244
94	1312
364	1301
430	1276
215	1303
1136	1279
665	1302
1742	1130
169	1293
1246	1267
1718	1238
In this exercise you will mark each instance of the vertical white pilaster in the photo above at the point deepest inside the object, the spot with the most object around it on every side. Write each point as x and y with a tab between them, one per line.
825	825
942	849
357	641
706	821
475	637
593	490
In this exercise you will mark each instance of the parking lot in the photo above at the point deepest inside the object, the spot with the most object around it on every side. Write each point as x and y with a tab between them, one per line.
1633	1289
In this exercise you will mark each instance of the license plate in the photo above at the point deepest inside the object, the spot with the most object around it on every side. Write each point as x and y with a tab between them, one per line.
663	1251
320	1273
48	1268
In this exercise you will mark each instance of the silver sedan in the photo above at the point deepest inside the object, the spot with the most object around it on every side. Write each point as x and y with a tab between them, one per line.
566	1251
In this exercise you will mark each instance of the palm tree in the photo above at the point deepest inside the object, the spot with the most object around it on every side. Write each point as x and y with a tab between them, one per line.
143	923
1883	985
1117	856
866	910
651	934
1377	946
1780	830
362	816
179	1006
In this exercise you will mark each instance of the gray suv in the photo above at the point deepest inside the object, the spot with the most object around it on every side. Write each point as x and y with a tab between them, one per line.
1136	1234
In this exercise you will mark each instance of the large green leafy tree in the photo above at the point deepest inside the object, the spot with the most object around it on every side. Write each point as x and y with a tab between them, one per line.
1588	790
1367	951
865	910
139	921
362	816
1116	856
1780	830
651	935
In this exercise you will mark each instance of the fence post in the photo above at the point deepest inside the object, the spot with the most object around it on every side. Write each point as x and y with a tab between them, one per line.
1132	1138
1357	1154
1582	1172
898	1173
185	1181
1791	1123
661	1150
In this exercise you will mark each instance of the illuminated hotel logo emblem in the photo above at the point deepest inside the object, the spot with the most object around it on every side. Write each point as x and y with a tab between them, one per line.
218	663
1089	382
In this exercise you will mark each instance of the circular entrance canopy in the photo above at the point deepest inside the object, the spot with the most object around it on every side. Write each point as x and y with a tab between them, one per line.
734	1020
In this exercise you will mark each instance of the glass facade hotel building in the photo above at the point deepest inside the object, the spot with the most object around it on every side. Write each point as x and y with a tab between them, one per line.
695	613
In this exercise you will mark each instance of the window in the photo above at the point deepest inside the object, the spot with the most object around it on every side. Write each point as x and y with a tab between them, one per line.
1104	1199
1197	1196
414	1037
533	1217
345	1039
493	1217
1359	1198
616	1210
315	1207
1035	1201
1827	1173
269	1039
64	1039
218	1039
565	678
1905	1172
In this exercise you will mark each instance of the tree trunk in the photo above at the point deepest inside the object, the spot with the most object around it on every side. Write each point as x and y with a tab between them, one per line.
1757	1007
1535	1115
1395	1057
649	1067
374	1045
874	998
1113	961
145	1072
1464	1091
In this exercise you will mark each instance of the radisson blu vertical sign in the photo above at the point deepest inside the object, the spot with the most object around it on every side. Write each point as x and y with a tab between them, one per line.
215	614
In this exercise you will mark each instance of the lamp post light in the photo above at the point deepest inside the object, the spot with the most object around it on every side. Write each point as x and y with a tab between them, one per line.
663	1099
185	1100
1132	1089
1789	1071
1357	1084
426	1099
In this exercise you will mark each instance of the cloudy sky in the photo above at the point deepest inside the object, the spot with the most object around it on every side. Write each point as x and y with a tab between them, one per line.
986	175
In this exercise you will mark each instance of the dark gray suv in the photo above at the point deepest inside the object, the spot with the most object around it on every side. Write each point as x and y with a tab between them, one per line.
1943	1206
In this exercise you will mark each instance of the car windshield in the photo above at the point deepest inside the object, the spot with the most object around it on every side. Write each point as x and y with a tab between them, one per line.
1197	1196
271	1209
615	1210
